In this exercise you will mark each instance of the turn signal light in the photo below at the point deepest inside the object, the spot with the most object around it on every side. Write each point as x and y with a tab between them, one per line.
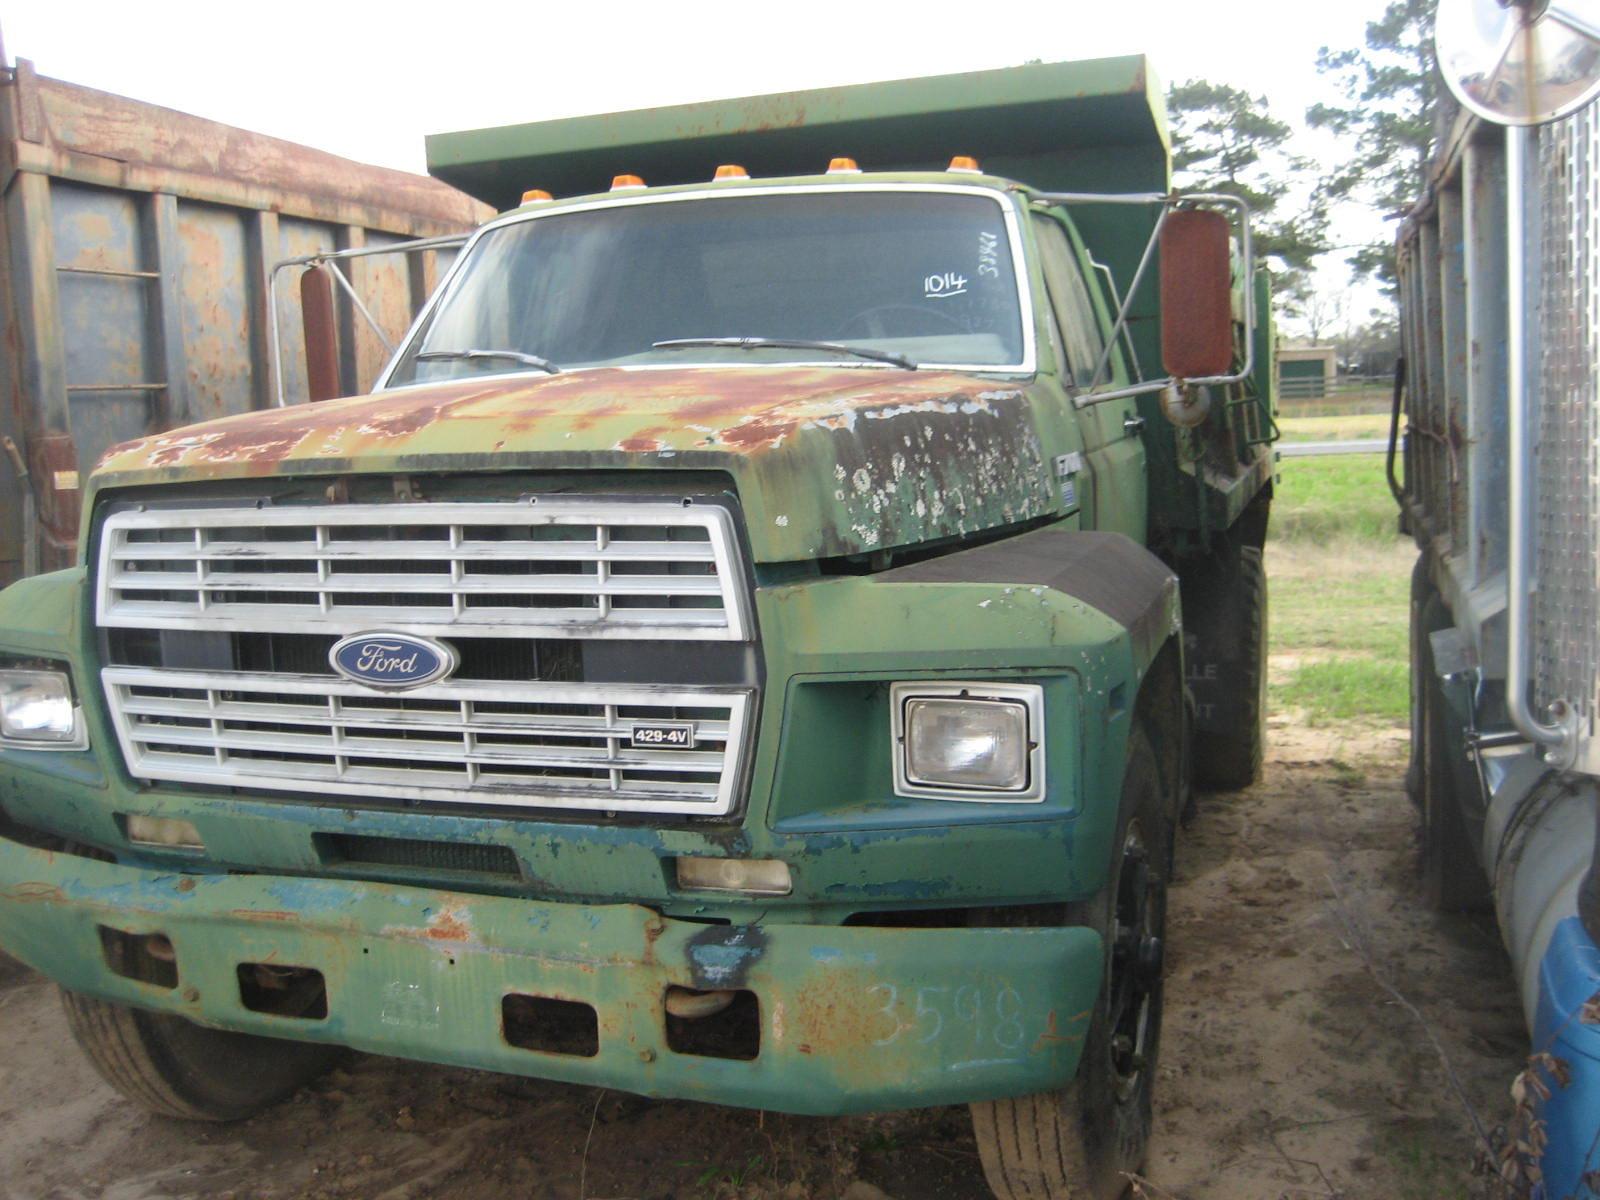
532	194
964	165
843	166
623	183
755	876
731	171
170	832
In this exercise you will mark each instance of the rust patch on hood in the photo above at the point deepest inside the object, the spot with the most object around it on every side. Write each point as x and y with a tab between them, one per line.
826	460
745	410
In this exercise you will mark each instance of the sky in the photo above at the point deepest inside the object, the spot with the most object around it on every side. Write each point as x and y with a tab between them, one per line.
368	80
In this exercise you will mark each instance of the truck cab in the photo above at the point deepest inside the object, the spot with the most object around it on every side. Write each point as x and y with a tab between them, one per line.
736	650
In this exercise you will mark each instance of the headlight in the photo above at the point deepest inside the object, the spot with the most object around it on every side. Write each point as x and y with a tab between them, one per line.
969	741
36	711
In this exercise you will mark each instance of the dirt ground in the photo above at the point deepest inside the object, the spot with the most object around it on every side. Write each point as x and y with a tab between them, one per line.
1287	1072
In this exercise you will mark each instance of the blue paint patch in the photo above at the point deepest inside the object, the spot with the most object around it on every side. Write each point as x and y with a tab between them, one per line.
306	896
826	954
721	956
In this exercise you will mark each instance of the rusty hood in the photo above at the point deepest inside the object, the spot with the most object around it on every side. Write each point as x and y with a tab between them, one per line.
826	460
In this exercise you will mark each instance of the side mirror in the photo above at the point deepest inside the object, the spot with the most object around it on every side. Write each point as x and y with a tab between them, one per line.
1196	295
321	329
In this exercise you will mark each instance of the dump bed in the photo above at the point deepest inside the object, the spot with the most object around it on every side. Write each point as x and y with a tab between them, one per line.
1098	125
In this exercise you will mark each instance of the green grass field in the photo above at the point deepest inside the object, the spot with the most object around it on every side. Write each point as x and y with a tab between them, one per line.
1347	427
1340	580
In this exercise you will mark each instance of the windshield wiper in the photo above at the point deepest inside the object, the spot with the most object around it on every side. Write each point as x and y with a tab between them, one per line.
529	360
762	343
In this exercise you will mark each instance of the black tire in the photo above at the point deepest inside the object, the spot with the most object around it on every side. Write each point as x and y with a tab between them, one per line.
1453	880
1228	755
1082	1142
176	1068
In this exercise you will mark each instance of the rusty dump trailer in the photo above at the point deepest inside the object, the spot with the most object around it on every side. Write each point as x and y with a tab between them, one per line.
136	248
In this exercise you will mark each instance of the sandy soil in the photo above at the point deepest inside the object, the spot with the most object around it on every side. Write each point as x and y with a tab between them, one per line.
1287	1072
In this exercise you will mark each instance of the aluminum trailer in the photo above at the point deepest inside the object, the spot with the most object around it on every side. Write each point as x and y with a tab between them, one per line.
1497	482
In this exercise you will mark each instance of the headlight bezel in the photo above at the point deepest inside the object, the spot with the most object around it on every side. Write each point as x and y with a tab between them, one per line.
1027	699
75	739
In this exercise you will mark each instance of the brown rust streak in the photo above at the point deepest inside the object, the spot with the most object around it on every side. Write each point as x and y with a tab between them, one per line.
34	893
745	411
447	927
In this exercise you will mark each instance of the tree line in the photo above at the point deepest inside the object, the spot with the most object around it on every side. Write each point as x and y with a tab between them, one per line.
1226	140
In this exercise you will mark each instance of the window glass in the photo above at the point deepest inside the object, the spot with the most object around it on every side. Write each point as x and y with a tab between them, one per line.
1069	296
923	274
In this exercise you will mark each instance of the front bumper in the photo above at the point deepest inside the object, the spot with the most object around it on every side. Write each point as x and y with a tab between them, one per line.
851	1019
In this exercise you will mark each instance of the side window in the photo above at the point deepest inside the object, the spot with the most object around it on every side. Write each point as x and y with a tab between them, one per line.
1069	296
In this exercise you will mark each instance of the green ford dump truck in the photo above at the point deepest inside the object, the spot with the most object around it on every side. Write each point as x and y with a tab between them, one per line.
751	645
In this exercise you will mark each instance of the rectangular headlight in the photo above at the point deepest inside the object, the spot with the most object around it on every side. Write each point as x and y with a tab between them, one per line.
36	710
969	741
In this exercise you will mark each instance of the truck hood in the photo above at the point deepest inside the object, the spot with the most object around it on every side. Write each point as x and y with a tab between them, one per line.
826	460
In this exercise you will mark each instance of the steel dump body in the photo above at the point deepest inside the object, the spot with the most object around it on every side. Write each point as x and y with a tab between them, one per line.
138	247
765	554
1500	815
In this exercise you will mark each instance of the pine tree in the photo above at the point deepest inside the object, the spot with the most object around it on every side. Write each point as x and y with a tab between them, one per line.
1225	140
1391	88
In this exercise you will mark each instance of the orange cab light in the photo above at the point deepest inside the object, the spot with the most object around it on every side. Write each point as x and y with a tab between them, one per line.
622	183
843	166
964	165
731	171
532	194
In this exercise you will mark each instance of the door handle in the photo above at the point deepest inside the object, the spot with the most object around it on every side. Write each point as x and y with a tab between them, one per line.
1133	426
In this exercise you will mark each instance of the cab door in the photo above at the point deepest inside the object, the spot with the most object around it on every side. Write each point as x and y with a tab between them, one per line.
1117	497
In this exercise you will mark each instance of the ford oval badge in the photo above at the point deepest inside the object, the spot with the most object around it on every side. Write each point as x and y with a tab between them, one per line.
392	660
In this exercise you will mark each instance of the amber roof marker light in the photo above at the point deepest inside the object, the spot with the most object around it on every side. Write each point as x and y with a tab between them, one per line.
729	171
963	164
535	195
625	183
843	166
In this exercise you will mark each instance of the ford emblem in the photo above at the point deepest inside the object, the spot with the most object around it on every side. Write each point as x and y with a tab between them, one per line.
392	660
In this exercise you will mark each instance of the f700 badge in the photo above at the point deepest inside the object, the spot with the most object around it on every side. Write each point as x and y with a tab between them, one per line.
662	735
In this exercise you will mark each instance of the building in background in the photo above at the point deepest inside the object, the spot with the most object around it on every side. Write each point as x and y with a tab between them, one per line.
1307	372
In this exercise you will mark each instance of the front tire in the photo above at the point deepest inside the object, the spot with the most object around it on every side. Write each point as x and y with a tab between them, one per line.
176	1068
1082	1142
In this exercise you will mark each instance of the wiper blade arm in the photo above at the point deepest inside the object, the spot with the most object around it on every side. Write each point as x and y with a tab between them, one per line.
762	343
530	360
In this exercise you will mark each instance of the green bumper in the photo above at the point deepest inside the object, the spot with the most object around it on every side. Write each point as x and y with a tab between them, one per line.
852	1019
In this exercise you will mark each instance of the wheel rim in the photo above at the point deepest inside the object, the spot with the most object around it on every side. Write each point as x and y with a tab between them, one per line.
1136	961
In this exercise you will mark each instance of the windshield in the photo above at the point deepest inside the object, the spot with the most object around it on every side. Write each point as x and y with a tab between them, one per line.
926	276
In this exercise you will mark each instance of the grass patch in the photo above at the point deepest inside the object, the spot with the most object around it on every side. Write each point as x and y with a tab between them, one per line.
1340	592
1343	689
1346	428
1349	598
1340	497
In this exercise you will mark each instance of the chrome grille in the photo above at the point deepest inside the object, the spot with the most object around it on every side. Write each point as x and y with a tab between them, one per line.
1566	604
518	744
545	568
